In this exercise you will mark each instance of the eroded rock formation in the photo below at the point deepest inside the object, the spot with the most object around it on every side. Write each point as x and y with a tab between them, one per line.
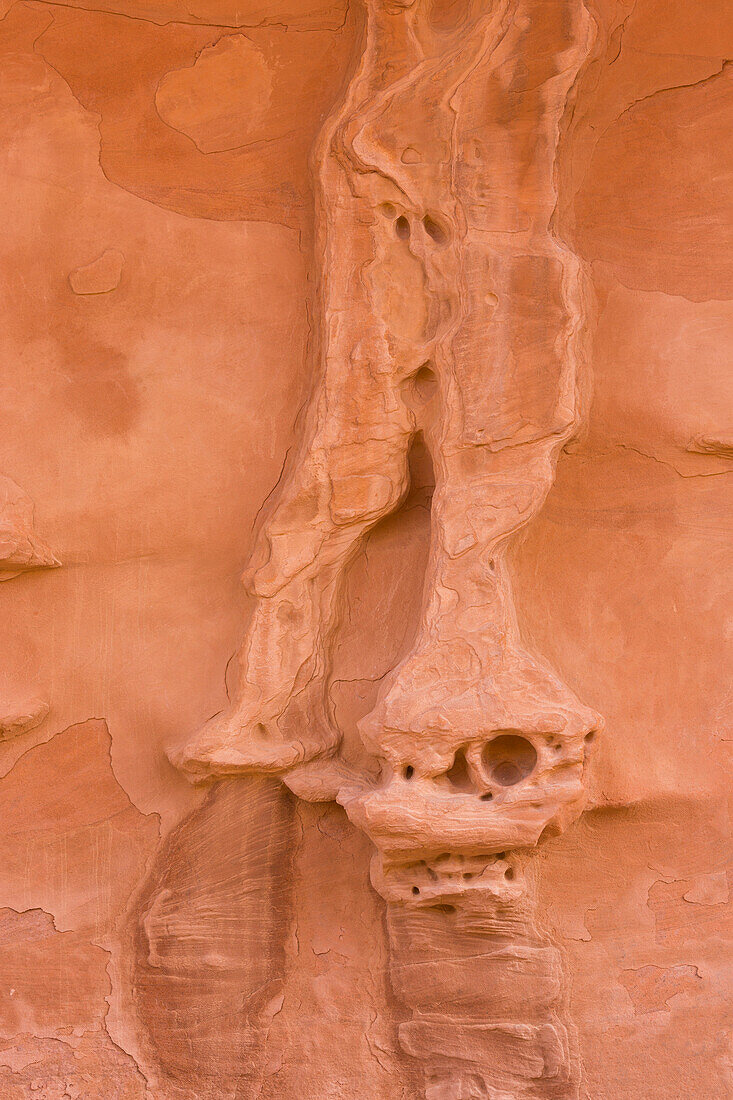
422	313
449	308
210	938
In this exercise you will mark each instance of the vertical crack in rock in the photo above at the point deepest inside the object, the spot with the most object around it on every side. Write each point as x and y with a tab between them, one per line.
447	308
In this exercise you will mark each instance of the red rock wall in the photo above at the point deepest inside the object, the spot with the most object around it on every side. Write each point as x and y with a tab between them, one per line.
179	258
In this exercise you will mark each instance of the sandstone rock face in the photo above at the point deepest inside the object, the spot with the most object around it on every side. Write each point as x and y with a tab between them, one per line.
416	316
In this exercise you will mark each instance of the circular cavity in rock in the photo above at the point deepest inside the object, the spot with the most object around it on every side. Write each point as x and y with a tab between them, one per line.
509	758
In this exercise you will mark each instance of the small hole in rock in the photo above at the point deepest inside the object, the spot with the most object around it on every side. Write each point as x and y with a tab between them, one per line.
468	875
458	775
435	230
260	730
387	209
409	772
419	461
402	227
501	855
444	908
509	758
492	564
486	796
424	383
416	889
509	873
590	737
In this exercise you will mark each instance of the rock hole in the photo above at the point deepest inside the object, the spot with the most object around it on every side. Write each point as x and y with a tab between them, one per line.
387	209
589	737
509	873
486	796
444	908
260	730
435	230
509	758
402	228
416	889
409	772
407	527
458	774
468	875
424	383
501	855
420	463
492	564
491	299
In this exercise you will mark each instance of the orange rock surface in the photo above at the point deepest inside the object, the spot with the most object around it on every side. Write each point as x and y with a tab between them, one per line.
417	316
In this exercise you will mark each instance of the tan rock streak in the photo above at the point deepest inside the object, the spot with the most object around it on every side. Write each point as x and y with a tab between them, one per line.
450	310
